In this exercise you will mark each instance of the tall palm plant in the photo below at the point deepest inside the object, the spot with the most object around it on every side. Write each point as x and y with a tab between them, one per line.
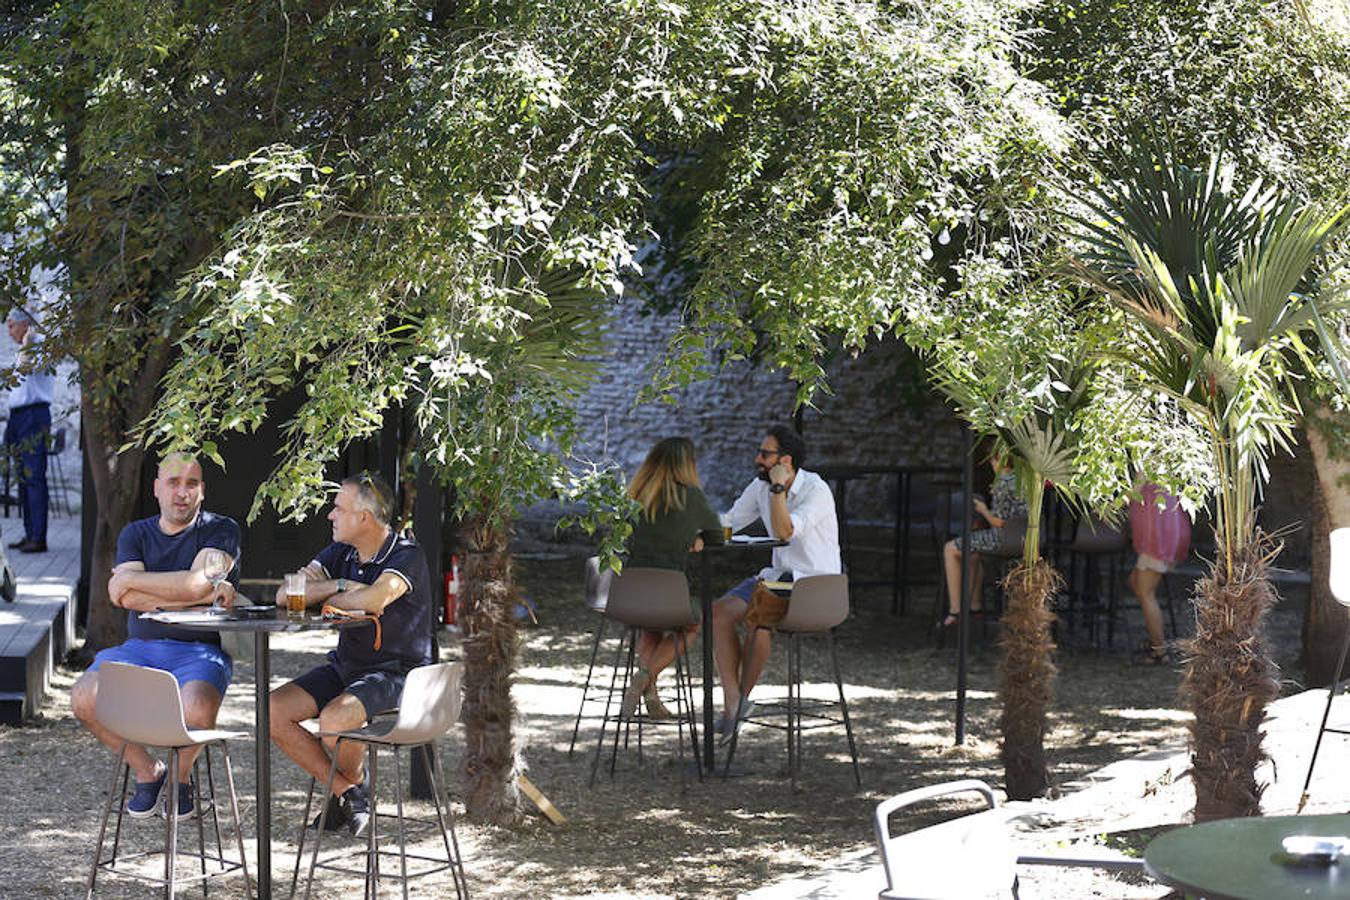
1221	286
1028	401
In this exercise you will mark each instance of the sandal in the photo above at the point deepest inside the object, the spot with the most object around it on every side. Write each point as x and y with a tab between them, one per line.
950	621
1155	655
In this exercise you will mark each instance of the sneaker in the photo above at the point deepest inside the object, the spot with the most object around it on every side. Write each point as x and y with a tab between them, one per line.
187	807
337	817
356	807
145	801
744	711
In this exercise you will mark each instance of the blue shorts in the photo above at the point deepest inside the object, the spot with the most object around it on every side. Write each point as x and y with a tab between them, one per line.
378	691
185	660
744	589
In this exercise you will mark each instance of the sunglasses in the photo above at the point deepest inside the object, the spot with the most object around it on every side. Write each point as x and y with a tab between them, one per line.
765	452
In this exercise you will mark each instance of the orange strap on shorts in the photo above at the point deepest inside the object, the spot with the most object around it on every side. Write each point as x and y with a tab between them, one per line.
330	611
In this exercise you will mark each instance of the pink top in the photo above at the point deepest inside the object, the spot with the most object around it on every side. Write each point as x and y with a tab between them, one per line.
1163	532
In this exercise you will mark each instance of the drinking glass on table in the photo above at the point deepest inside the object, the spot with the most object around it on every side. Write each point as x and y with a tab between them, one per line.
216	567
295	595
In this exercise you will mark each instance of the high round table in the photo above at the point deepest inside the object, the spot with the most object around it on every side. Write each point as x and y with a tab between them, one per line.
198	619
1242	859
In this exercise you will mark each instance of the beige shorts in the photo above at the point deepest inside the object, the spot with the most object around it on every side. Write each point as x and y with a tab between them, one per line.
1153	564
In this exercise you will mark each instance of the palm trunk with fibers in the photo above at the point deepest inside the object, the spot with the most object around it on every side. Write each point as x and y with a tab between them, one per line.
1027	677
486	616
1229	681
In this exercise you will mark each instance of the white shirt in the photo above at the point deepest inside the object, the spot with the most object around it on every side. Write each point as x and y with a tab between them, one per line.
814	547
33	387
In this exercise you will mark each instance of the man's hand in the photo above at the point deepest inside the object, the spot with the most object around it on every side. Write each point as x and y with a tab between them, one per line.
224	596
778	474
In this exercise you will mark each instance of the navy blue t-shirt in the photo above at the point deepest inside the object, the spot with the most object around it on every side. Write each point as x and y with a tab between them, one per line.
405	624
143	541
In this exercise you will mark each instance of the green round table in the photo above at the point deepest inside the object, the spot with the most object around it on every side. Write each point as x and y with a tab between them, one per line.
1242	859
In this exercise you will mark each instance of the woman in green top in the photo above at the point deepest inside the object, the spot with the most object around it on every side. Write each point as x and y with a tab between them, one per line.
676	521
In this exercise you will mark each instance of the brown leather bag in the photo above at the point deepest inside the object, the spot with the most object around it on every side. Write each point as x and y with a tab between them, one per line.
766	608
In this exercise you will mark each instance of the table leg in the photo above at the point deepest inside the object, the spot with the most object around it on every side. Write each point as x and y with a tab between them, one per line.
705	602
263	755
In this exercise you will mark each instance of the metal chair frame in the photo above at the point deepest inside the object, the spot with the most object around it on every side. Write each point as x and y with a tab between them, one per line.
170	881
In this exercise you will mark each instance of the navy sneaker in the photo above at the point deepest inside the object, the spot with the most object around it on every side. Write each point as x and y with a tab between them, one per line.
187	808
145	802
356	806
336	820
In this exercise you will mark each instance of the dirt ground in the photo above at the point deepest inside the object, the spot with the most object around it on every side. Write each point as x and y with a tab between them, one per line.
639	833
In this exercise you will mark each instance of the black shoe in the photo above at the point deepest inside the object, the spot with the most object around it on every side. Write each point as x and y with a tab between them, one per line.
356	806
15	545
33	547
336	820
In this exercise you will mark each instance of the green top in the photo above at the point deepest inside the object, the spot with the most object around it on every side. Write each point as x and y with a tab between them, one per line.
663	543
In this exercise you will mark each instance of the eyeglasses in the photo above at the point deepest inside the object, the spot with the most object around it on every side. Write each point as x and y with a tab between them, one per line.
766	452
367	481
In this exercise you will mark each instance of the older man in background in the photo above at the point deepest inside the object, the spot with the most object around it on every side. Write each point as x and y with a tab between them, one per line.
28	431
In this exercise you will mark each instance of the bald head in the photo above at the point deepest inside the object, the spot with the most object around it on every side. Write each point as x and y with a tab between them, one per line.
180	490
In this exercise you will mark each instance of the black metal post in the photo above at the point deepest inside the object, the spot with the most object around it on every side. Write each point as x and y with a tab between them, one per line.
963	622
263	759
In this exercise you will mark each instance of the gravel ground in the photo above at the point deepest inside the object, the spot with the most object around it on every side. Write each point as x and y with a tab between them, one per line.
639	833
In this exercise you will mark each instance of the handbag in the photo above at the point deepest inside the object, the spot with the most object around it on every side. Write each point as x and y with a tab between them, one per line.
766	607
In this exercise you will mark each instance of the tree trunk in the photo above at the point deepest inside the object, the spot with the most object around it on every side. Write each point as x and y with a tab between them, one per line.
117	479
1027	676
1325	621
1229	681
487	618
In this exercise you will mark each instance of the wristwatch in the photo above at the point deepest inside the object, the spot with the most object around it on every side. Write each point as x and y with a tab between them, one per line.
777	488
341	585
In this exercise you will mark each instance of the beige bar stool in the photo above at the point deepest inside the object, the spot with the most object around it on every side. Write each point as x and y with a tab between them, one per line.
144	706
597	598
818	604
654	600
428	708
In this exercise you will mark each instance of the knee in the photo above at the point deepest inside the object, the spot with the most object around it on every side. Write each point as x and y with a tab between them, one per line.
724	613
199	713
84	699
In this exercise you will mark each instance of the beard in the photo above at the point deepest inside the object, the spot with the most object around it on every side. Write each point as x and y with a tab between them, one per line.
761	473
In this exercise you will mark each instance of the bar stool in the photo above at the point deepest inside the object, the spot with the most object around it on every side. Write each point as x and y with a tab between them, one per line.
428	708
817	605
144	706
656	600
1339	578
597	598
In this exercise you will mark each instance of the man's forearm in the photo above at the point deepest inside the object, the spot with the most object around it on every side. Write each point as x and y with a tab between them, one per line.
179	588
141	601
780	518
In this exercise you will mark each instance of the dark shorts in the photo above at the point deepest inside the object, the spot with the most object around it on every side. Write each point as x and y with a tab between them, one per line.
377	691
185	660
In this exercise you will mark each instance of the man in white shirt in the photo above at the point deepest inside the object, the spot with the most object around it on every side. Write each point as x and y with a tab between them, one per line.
795	506
26	433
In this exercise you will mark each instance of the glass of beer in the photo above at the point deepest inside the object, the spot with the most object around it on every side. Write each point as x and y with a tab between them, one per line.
726	534
295	595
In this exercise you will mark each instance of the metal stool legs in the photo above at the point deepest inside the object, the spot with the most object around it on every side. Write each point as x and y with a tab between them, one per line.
444	822
170	879
1332	691
585	689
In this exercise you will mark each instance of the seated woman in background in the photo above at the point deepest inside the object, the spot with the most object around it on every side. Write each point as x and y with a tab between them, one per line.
1006	505
676	520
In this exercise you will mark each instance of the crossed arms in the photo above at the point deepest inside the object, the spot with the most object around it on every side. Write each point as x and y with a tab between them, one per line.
132	587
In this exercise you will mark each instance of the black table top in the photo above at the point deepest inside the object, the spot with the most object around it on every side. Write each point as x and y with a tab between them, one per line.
202	619
1242	859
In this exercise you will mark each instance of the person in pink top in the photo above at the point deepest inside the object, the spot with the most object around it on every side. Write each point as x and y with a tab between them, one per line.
1161	533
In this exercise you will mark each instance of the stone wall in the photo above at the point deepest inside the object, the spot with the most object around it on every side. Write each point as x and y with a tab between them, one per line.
877	413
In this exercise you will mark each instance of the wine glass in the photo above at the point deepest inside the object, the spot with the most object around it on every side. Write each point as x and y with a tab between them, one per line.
215	566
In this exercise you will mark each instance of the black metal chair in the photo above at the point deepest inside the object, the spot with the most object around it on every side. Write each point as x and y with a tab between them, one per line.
597	598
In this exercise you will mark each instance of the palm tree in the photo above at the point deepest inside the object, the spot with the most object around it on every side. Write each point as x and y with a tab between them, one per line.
1220	285
991	390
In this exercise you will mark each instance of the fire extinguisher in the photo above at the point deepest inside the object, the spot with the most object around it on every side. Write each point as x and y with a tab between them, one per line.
452	589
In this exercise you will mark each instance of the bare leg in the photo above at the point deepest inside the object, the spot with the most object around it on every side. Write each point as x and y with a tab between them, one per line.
83	697
727	613
656	653
757	646
201	704
291	705
951	564
1144	583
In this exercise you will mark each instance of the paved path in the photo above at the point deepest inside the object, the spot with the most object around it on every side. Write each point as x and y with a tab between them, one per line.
59	565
